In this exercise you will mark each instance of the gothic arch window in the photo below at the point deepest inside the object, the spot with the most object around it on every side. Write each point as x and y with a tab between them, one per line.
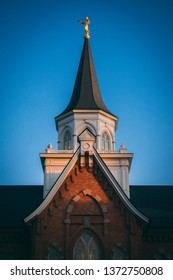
105	144
87	247
67	141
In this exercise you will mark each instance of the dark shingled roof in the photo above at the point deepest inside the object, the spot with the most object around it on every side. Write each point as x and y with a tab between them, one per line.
86	93
17	202
156	202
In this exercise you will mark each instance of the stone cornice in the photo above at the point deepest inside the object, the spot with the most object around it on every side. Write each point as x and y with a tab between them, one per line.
60	117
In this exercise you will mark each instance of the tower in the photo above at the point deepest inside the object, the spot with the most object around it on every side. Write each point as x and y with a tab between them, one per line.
86	212
86	111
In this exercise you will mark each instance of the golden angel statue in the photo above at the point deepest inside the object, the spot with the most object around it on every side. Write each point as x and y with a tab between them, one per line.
86	22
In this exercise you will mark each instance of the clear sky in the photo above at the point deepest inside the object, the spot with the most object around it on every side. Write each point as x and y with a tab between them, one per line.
132	48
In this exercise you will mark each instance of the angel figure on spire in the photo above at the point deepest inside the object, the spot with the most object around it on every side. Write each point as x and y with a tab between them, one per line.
86	22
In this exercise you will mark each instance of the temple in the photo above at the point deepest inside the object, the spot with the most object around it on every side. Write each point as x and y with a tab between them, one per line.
86	208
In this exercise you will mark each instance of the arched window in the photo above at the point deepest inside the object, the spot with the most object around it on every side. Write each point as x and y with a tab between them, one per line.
67	141
105	141
87	248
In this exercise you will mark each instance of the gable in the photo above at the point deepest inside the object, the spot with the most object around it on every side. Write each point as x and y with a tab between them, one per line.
100	171
85	202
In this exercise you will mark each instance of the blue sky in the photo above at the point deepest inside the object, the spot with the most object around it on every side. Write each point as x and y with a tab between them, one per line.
41	44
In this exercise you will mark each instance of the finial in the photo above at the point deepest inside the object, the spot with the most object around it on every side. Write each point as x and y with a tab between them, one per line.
86	22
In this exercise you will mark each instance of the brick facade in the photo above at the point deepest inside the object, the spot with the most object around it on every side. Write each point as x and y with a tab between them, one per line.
86	202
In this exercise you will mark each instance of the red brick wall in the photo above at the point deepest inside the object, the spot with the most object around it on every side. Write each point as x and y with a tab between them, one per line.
86	201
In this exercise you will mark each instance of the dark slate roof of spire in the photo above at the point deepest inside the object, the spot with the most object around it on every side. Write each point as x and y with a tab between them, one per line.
86	93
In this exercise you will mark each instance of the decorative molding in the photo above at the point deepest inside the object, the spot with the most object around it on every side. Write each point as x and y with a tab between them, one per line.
97	197
69	208
87	191
76	198
67	221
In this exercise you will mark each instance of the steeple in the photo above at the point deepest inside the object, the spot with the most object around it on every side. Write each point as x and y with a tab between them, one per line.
86	109
87	125
86	93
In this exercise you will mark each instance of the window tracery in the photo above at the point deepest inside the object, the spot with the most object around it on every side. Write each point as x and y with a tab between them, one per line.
87	248
67	141
105	144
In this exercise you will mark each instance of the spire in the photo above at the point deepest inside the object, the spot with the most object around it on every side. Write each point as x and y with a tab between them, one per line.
86	93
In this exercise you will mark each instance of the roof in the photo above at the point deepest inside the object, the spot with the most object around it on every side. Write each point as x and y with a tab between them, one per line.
16	202
155	202
86	93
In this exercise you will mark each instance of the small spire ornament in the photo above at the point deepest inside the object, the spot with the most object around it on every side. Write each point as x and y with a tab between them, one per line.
86	22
